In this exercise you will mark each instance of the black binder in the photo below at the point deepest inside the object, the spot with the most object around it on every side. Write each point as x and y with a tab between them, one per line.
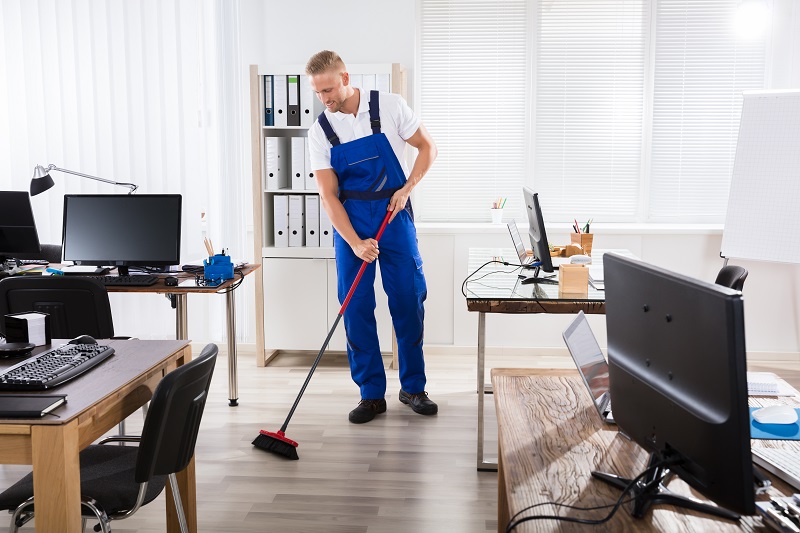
29	405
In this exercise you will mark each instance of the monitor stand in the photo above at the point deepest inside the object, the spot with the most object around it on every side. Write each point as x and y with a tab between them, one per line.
651	491
535	277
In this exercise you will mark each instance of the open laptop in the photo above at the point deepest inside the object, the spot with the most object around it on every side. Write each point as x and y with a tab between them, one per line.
525	260
591	363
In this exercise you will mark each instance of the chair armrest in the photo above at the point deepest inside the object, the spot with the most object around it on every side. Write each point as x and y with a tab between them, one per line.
120	438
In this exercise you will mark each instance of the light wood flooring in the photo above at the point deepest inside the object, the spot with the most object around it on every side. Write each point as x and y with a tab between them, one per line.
401	472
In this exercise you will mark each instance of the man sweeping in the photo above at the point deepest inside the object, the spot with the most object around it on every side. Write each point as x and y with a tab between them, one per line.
357	152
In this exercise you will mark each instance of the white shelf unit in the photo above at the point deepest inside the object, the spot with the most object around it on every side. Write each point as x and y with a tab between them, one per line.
296	293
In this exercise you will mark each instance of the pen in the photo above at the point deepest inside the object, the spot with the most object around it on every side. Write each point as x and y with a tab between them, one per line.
577	227
55	271
504	203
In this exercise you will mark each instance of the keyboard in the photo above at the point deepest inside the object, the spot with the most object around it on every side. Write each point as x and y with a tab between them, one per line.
784	463
53	367
126	281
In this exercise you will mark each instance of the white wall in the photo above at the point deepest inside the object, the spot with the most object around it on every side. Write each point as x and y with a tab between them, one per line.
379	32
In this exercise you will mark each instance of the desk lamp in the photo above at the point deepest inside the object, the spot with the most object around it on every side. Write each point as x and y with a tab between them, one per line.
41	180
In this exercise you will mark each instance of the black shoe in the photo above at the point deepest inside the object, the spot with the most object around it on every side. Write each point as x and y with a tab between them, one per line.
366	410
419	402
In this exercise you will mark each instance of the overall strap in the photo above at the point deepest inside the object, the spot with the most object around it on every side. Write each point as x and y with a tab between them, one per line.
326	127
374	112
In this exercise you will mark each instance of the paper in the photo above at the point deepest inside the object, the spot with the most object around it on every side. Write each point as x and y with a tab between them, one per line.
762	383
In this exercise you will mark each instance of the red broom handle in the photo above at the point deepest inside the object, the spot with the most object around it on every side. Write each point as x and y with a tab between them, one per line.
364	265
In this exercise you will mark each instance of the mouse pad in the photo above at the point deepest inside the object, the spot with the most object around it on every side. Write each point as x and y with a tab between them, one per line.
774	431
15	349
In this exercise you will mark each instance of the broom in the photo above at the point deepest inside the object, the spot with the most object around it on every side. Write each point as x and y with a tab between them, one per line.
278	442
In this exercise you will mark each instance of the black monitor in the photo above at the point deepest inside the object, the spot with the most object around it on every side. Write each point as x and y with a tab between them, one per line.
678	383
18	235
142	230
541	250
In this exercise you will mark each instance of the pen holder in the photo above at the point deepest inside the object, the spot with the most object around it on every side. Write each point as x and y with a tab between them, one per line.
218	268
584	240
497	215
573	279
30	326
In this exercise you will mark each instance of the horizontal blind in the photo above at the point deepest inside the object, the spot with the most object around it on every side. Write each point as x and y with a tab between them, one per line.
701	69
473	98
589	83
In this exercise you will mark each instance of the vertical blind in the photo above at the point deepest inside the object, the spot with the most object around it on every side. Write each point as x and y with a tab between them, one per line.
631	112
701	69
473	73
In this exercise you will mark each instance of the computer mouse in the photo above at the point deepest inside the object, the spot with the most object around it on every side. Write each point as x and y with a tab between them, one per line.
83	339
580	260
171	281
775	414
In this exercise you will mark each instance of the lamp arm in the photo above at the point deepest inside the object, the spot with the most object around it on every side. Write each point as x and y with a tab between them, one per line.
131	186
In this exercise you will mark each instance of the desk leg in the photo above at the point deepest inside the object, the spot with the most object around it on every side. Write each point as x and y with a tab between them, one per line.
188	491
483	466
233	387
181	320
56	477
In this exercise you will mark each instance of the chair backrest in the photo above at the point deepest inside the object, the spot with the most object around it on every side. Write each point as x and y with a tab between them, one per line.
49	252
732	276
77	306
173	418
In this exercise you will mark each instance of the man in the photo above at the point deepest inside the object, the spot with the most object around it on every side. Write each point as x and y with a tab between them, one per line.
357	148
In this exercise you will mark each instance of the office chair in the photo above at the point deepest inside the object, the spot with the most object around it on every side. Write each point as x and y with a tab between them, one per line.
732	276
77	306
117	480
49	252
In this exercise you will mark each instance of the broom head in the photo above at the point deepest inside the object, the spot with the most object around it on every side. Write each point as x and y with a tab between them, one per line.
276	443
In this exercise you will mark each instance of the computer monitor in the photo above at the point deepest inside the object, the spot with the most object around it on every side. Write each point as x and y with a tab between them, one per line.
18	235
541	250
678	380
142	230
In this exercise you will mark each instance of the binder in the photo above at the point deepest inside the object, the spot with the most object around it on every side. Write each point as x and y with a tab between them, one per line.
279	101
368	83
281	220
310	179
277	164
325	228
297	169
312	220
29	406
307	100
293	99
269	117
297	234
383	83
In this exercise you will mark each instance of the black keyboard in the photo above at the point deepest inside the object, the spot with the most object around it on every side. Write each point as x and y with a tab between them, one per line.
126	281
53	367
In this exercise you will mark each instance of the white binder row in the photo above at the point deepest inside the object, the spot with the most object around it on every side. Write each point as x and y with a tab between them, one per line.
290	101
287	164
300	220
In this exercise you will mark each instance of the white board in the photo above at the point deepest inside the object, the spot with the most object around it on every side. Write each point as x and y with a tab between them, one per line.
764	202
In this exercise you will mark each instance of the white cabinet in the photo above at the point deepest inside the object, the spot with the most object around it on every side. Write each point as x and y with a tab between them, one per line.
298	280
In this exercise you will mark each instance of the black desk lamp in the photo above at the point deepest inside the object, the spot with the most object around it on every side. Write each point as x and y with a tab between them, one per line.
41	180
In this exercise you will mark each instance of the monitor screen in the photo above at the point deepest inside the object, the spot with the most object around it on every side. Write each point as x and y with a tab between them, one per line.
678	376
541	250
18	235
141	230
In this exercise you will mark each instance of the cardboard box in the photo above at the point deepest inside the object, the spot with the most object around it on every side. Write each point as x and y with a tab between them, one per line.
31	326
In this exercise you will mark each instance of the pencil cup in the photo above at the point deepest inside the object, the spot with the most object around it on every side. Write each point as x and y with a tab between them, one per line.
573	279
497	216
584	240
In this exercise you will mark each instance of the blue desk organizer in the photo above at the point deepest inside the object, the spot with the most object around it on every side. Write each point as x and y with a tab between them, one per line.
217	269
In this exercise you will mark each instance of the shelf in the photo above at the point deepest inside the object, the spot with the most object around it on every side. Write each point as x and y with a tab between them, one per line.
297	252
291	191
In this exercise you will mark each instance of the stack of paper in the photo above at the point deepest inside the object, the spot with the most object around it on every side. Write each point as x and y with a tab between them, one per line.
596	276
762	384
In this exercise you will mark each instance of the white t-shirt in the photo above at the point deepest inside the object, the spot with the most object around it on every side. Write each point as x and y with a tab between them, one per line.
398	122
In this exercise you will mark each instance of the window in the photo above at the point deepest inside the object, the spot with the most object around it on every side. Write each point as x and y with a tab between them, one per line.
631	114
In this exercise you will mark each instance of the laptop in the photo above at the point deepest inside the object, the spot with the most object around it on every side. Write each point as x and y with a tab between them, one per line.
591	364
525	260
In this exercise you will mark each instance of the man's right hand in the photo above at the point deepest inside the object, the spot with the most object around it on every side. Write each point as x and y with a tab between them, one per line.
366	250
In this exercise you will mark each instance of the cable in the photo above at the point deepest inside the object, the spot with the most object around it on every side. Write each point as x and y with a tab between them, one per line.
506	263
615	506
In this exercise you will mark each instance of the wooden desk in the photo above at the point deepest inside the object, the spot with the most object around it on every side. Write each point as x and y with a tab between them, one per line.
96	402
501	292
178	296
550	439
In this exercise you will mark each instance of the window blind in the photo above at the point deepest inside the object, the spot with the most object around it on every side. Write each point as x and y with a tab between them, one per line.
700	71
473	99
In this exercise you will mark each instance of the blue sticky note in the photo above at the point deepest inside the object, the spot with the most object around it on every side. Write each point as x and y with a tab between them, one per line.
774	431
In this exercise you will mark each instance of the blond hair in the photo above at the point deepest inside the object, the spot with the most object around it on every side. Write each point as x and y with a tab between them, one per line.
324	61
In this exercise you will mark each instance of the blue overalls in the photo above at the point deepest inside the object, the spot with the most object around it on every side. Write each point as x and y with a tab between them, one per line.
369	174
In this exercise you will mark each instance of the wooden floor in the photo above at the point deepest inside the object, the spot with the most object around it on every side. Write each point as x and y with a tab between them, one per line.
401	472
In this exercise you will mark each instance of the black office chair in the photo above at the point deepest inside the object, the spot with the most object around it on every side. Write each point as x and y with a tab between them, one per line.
732	276
77	306
117	480
49	252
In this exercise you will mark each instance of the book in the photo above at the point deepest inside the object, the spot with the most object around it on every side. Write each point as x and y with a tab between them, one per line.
29	405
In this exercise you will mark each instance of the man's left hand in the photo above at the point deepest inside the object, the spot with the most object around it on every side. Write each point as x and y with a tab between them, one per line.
398	202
